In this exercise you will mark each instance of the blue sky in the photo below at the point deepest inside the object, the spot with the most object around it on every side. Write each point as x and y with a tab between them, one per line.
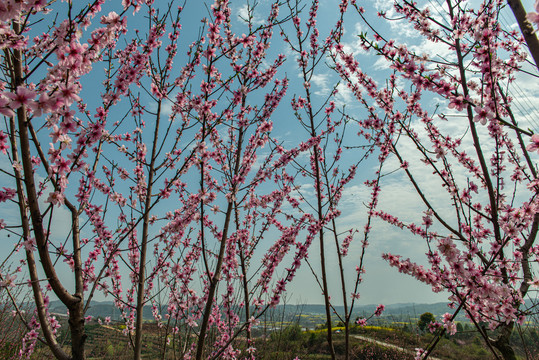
382	284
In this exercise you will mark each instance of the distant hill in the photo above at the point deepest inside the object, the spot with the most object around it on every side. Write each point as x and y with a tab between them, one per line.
107	308
398	311
99	309
401	310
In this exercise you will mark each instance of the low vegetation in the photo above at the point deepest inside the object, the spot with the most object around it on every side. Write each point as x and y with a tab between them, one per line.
284	341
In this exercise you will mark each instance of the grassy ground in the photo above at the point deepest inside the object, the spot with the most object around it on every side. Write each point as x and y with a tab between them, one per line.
109	342
292	342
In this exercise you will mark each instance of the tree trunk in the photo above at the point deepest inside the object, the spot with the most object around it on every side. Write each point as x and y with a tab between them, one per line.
503	342
526	28
78	334
143	247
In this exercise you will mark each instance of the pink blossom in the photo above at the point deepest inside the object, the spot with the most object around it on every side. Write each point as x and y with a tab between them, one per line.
419	353
43	105
29	244
457	102
4	107
69	93
3	143
482	115
8	281
361	322
535	143
9	10
23	96
433	326
533	17
56	198
111	19
7	194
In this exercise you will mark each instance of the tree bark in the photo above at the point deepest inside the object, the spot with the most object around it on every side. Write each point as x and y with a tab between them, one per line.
78	333
145	232
56	349
503	342
217	274
526	28
73	302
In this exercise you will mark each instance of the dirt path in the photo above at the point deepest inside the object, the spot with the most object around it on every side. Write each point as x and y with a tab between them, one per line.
390	346
111	328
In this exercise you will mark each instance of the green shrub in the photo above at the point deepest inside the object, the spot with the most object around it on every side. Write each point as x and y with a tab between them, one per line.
110	349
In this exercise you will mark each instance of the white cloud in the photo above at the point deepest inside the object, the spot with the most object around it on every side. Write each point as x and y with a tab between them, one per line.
344	96
321	83
400	27
381	64
243	15
525	94
434	50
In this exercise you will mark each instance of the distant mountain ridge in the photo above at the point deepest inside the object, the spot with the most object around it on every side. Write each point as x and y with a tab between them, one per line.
411	309
108	309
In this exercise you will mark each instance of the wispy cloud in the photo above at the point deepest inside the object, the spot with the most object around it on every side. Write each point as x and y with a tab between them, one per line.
243	15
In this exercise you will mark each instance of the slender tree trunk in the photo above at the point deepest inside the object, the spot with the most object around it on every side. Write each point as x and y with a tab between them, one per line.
320	211
145	230
76	310
526	28
245	280
213	287
321	234
217	274
73	302
343	289
56	349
